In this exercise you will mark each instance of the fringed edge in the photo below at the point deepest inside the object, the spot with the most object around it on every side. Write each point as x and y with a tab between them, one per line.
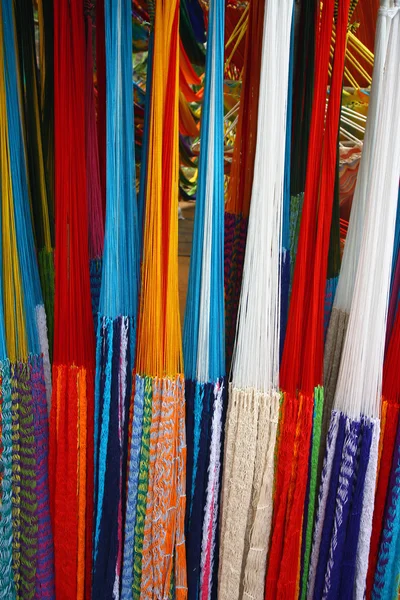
28	491
260	527
387	576
181	590
343	501
315	450
211	511
143	484
322	500
289	576
7	586
364	539
82	465
130	518
106	342
45	554
240	454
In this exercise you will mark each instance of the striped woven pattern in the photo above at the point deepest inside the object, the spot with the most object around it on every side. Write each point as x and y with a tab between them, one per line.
133	480
143	484
7	587
386	580
45	558
28	493
16	477
148	564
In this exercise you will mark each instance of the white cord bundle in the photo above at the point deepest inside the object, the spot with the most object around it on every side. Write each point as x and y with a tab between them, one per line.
369	262
345	288
359	383
254	398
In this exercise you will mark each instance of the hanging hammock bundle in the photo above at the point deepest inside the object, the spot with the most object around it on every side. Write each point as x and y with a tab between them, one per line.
301	367
344	294
154	562
204	348
27	548
253	408
241	173
341	541
116	329
72	421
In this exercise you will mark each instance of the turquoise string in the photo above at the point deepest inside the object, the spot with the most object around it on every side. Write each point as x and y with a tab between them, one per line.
213	73
119	287
216	368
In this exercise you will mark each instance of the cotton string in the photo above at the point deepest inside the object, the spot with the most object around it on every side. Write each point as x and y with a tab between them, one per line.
360	375
204	321
241	173
344	293
157	470
116	329
71	419
253	398
295	371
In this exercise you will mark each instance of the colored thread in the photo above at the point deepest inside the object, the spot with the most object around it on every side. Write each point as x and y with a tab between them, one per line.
143	484
7	586
316	439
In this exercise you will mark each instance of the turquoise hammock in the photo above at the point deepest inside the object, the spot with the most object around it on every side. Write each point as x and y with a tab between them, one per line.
204	343
116	329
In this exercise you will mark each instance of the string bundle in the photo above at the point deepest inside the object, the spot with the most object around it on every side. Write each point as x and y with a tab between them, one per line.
343	297
154	561
131	467
116	329
343	527
204	348
71	419
253	407
301	366
241	173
